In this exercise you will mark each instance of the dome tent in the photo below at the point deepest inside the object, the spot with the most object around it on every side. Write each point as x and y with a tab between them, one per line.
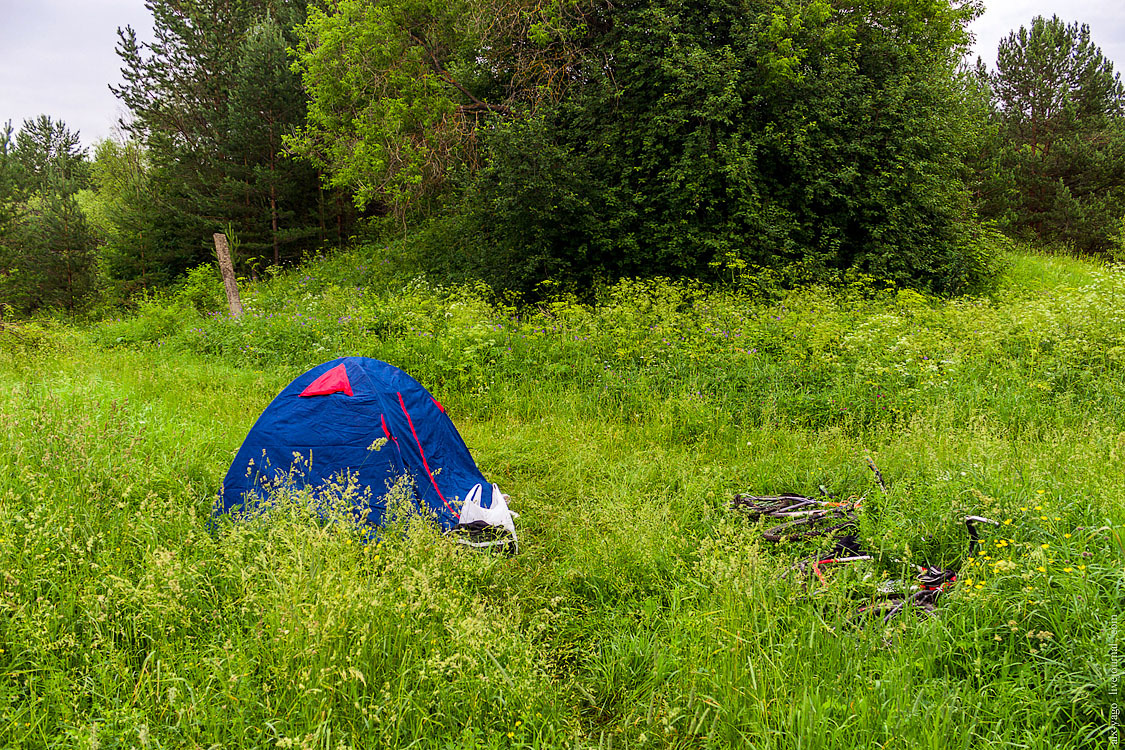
331	419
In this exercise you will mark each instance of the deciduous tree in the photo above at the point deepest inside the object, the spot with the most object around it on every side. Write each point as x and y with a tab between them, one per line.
599	138
805	136
398	88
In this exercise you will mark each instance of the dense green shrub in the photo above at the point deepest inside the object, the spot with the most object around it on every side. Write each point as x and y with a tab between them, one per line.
706	137
154	320
202	288
587	140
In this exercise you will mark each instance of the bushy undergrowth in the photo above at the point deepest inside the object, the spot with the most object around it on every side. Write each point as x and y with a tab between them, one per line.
640	612
855	358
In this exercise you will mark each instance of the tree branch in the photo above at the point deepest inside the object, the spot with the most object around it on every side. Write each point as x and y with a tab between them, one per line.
477	105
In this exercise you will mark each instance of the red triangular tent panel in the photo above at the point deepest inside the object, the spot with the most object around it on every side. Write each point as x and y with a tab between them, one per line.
333	381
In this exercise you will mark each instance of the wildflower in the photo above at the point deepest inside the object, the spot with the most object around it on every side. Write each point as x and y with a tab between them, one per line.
1041	569
1045	545
1068	570
1066	536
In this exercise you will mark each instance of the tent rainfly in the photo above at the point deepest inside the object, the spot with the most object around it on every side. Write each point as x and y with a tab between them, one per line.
331	418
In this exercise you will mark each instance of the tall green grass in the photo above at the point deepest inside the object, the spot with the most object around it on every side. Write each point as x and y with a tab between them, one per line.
640	612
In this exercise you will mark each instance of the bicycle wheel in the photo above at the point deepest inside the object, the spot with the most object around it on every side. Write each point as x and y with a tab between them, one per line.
756	506
884	610
921	603
808	527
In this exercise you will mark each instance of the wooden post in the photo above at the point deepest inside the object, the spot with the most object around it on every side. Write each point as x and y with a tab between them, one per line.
227	269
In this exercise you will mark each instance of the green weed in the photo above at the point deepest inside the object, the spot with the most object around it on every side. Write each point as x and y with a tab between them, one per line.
640	612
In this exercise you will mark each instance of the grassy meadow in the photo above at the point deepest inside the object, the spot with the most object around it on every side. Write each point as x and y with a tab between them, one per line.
640	611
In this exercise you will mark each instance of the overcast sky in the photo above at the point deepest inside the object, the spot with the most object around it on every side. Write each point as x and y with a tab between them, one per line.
57	56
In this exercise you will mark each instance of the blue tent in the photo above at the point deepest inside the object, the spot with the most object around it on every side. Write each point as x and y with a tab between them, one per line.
332	417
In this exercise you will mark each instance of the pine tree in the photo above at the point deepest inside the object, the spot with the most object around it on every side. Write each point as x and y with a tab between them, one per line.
11	183
62	246
265	104
145	242
210	98
46	246
49	154
1057	170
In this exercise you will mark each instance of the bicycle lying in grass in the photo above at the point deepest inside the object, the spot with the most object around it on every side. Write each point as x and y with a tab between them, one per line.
807	518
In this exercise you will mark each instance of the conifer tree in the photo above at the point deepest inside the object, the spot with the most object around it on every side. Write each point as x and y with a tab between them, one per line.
210	98
143	241
266	102
51	155
46	245
11	186
1057	171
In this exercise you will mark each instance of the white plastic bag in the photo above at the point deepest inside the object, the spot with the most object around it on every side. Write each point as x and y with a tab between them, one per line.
496	515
